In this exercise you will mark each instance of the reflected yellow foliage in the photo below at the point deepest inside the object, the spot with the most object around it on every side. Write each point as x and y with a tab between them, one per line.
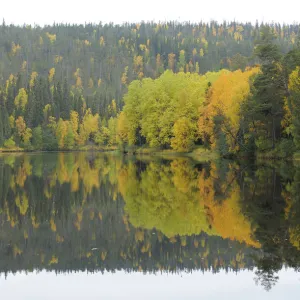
228	219
24	171
16	250
59	239
174	197
54	260
162	200
52	225
22	204
225	215
35	224
179	200
103	255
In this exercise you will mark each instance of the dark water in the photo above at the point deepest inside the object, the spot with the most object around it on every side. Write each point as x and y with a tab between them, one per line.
99	226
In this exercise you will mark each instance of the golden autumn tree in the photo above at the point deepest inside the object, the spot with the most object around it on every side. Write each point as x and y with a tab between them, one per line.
222	112
23	131
138	65
61	132
74	120
171	61
21	99
124	77
51	74
122	129
89	127
33	78
184	135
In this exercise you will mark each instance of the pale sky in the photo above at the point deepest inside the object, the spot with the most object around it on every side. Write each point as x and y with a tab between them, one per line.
118	11
136	286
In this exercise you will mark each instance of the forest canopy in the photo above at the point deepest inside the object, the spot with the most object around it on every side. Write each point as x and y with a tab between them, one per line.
229	87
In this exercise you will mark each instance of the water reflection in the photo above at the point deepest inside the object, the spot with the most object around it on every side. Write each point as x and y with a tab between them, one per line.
69	212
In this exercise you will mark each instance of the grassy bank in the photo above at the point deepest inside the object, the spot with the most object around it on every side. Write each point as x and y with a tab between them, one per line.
198	154
11	150
82	148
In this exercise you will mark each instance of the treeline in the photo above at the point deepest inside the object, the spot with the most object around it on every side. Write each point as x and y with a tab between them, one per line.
104	58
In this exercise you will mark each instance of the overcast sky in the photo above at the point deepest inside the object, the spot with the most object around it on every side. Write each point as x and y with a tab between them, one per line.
43	12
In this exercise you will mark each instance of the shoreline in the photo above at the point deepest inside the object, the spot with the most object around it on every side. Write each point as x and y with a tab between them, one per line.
199	154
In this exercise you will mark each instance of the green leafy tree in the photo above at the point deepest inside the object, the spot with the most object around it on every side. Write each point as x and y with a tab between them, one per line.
69	138
49	140
37	138
10	143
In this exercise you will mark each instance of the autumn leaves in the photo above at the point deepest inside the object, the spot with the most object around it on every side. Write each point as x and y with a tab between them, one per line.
180	110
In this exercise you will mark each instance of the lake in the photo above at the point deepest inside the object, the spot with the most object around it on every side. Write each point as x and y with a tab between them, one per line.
104	226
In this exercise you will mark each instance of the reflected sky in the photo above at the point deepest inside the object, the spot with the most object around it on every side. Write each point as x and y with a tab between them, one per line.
121	285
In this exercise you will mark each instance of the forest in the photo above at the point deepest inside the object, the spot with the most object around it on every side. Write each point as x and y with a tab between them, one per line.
230	88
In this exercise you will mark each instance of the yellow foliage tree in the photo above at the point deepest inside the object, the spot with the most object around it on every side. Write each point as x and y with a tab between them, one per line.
61	132
15	48
23	132
184	135
33	77
51	37
74	120
124	77
88	127
51	74
21	99
225	98
91	83
122	129
171	61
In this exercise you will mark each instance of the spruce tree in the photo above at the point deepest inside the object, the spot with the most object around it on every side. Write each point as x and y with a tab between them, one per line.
265	108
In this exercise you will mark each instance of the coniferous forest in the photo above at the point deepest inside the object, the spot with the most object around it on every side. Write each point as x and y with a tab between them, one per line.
231	88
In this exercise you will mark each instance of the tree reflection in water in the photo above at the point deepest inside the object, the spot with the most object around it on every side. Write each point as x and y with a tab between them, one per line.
97	212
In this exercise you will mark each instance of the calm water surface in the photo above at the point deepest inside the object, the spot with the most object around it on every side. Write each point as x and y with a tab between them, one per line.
96	226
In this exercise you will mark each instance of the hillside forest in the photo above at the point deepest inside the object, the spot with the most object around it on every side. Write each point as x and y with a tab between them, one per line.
231	88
